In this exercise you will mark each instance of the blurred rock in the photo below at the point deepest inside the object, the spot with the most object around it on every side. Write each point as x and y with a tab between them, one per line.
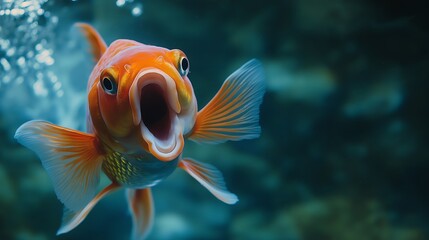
172	226
309	85
331	17
27	235
329	218
260	228
379	98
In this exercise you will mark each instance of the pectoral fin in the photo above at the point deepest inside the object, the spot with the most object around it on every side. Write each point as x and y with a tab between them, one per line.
71	158
72	219
141	207
210	178
98	46
233	113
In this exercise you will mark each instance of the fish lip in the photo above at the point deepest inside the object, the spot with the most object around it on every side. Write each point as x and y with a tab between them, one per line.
164	148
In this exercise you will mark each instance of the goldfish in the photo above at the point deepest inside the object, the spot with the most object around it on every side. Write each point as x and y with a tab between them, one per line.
141	108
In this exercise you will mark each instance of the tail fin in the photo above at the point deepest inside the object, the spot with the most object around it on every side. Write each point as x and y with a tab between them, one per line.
141	207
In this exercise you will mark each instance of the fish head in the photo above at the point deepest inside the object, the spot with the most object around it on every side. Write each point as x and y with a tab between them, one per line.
145	96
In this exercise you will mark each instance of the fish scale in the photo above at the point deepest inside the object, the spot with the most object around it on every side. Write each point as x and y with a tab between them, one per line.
138	171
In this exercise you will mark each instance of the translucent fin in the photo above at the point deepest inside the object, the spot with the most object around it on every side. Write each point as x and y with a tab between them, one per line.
210	178
71	158
98	46
141	207
233	113
72	219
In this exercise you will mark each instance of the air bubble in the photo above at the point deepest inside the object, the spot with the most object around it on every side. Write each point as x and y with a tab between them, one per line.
57	86
5	64
137	10
21	61
39	88
10	52
120	3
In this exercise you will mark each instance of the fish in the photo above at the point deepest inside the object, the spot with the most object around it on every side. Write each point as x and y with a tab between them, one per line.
141	108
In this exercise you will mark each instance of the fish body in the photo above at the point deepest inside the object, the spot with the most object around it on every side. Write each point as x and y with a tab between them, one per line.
141	108
120	127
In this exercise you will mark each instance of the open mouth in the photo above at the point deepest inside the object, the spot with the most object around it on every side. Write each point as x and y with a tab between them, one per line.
155	109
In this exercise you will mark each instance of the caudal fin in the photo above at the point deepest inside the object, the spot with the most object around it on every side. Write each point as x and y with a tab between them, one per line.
141	207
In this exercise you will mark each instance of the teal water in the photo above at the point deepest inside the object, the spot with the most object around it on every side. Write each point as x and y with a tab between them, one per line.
343	150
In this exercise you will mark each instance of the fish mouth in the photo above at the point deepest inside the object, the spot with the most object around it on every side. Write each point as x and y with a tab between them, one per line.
155	107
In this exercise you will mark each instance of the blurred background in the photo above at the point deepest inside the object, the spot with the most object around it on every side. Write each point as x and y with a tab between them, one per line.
343	152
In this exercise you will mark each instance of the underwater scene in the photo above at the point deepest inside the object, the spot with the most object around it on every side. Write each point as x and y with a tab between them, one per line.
339	89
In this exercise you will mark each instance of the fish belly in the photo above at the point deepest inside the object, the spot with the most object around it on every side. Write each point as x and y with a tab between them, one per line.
137	171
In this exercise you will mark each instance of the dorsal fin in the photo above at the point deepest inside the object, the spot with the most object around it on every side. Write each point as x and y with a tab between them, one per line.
98	46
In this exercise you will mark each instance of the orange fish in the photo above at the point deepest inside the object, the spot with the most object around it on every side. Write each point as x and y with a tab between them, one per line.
141	108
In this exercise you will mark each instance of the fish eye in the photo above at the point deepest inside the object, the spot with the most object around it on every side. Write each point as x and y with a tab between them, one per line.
109	86
183	66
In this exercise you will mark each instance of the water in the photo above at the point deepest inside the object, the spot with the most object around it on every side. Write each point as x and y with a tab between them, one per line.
342	153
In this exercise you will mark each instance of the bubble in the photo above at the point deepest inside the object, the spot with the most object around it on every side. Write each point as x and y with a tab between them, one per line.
5	64
4	44
6	79
27	43
52	77
25	4
54	19
49	60
39	88
57	86
21	61
45	57
26	47
30	54
10	52
19	80
39	47
40	11
120	3
137	10
17	12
